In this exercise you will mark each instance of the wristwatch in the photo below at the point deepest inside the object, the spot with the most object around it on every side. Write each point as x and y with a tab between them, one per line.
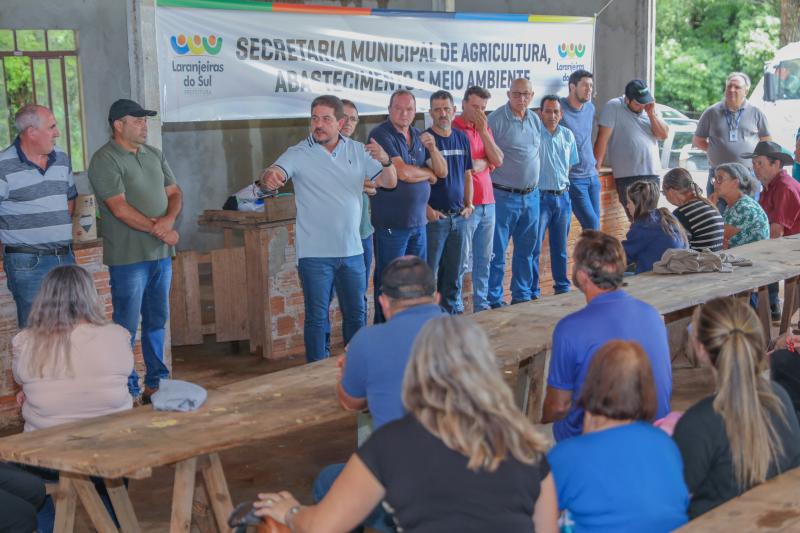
287	519
386	165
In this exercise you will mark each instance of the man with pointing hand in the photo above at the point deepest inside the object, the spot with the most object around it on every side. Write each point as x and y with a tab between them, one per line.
328	170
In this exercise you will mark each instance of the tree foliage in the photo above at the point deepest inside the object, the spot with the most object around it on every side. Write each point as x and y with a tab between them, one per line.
700	41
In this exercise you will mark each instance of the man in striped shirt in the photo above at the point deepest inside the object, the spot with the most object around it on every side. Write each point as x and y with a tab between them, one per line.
37	197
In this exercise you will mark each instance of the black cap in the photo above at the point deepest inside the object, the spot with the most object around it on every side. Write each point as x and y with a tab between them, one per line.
123	107
408	277
637	90
770	149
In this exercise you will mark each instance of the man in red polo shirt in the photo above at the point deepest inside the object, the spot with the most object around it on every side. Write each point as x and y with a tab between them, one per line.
780	199
485	157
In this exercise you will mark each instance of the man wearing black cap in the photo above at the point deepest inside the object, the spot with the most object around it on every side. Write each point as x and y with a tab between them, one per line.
139	202
630	130
780	199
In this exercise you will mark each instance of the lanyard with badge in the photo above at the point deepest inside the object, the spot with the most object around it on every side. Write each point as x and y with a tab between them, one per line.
733	124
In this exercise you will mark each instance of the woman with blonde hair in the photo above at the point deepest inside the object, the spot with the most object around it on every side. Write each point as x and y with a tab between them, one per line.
747	431
463	459
653	230
699	217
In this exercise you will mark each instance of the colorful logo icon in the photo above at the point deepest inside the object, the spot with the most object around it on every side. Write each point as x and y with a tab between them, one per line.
571	50
196	45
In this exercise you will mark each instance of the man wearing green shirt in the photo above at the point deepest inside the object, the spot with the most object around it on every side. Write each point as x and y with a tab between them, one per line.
139	202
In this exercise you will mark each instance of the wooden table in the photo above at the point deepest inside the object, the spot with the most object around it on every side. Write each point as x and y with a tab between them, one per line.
257	229
771	507
131	444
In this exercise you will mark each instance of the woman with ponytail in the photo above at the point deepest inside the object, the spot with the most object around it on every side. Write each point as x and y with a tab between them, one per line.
700	218
653	230
747	431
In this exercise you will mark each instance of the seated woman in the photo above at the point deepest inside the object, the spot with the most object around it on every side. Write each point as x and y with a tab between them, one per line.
698	216
747	431
745	220
464	459
620	453
653	231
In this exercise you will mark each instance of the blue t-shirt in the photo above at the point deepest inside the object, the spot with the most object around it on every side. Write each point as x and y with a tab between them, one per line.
646	241
579	122
623	479
614	315
376	361
405	205
448	193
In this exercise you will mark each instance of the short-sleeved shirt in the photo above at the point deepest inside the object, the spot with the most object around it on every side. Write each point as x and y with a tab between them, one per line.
141	177
576	338
781	201
482	191
431	490
647	241
519	140
365	228
376	361
632	149
405	205
579	122
328	187
751	220
34	207
448	192
623	479
717	121
703	224
558	152
707	462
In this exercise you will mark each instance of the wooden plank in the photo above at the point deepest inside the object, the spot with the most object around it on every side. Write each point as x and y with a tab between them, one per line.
182	494
178	321
276	209
93	504
538	389
789	303
65	499
123	508
231	317
202	514
227	237
217	487
256	245
764	314
184	300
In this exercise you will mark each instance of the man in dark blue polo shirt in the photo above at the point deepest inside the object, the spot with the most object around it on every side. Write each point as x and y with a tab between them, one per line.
399	215
450	203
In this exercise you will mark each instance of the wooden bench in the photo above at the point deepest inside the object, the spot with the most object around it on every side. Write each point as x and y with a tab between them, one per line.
771	507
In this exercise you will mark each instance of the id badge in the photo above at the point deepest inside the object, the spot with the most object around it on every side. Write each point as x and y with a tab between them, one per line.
733	135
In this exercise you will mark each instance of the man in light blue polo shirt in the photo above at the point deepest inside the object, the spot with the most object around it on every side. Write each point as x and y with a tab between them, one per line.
328	170
516	132
558	152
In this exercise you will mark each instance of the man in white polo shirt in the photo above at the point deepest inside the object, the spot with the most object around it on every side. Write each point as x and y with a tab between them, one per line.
328	170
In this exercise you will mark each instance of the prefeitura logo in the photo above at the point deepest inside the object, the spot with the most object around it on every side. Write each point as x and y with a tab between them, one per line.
196	45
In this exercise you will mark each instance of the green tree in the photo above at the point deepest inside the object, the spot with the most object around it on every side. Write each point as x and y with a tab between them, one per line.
700	41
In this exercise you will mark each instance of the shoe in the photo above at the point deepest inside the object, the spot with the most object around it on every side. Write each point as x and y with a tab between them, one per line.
498	305
146	395
775	312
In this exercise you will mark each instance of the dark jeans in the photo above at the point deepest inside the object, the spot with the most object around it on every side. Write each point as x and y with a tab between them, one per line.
21	495
446	240
391	243
785	370
622	189
584	194
378	519
25	273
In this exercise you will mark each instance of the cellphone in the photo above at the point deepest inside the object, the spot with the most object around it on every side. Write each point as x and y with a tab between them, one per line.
243	516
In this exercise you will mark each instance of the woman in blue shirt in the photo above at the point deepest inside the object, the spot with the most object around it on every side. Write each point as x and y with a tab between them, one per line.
653	230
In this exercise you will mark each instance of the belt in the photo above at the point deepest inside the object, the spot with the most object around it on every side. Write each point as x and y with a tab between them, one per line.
60	250
554	193
512	189
450	213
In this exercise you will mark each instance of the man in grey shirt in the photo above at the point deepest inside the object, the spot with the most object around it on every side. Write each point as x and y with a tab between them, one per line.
730	128
630	130
516	133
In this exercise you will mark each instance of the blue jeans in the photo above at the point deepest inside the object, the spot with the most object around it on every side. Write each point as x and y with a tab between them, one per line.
25	273
391	243
480	236
317	276
446	238
517	219
378	519
366	244
141	290
585	196
555	215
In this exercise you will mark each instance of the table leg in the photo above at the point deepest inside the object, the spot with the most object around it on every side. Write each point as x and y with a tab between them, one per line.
538	388
789	303
764	313
182	494
256	252
217	487
123	507
522	389
93	504
65	499
202	514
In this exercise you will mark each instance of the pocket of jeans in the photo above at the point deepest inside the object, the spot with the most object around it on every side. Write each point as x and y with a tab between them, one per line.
22	262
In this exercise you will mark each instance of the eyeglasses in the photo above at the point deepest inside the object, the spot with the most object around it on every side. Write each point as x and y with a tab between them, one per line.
719	179
517	94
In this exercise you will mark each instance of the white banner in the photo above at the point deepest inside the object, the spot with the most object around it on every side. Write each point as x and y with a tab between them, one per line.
231	64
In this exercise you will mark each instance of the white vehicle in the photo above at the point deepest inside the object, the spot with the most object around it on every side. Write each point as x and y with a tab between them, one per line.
778	95
677	150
